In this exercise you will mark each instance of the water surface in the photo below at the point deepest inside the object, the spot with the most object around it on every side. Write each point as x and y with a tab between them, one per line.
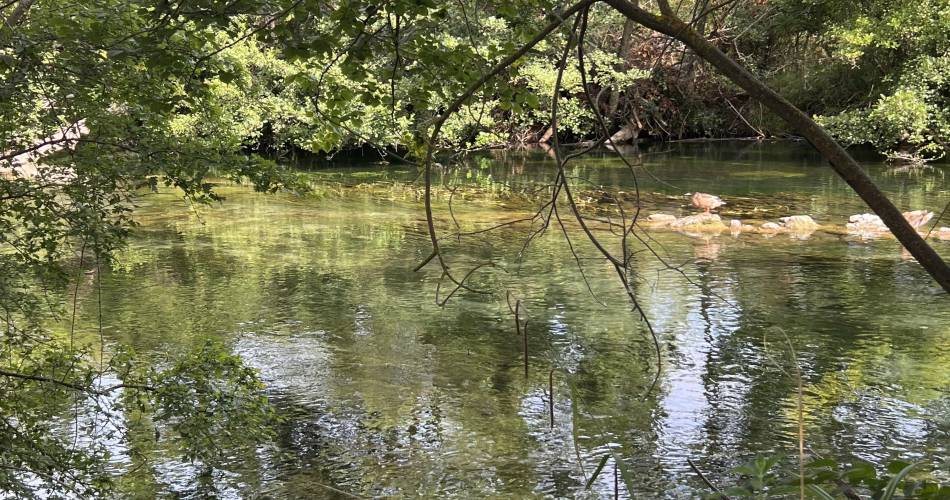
386	393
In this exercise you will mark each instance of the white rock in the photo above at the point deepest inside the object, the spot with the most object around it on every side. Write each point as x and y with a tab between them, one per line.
799	223
866	224
697	220
865	219
917	218
661	219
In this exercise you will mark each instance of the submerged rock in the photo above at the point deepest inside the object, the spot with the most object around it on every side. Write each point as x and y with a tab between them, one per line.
943	233
866	224
661	219
735	227
866	219
771	226
799	223
698	220
917	218
872	225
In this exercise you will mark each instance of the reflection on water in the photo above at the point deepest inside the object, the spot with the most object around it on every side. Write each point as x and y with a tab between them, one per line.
385	393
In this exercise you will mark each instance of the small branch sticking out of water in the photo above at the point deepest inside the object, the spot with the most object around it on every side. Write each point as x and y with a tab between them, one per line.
424	262
523	332
524	336
703	477
338	491
551	394
937	222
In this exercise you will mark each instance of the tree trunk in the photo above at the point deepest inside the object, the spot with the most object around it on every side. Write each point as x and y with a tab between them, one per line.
846	167
23	6
622	52
627	133
546	136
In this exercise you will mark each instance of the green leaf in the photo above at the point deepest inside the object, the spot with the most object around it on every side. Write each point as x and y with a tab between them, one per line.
892	485
818	492
600	467
532	101
896	466
861	471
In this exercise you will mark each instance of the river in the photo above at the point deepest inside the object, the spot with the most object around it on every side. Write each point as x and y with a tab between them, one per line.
384	392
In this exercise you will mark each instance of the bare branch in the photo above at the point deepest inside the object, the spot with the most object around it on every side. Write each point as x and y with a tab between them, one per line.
70	385
457	103
842	162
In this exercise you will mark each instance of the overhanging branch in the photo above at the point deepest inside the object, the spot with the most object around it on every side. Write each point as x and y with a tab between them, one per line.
558	19
73	386
845	166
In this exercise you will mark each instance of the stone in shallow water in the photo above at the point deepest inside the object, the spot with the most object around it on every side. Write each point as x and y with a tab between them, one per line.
917	218
661	219
943	233
866	224
735	227
697	220
869	219
771	226
870	224
799	223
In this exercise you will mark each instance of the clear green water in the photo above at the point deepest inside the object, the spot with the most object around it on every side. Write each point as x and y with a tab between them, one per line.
385	393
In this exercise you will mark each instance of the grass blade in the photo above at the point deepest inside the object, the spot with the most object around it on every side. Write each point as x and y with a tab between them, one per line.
624	473
818	492
600	467
896	481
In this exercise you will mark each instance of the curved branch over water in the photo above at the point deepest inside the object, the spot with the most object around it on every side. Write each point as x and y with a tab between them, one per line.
846	166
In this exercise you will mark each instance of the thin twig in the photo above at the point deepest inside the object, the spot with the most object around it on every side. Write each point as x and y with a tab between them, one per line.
705	480
551	395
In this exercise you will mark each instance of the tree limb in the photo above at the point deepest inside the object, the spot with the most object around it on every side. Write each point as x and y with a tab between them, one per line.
558	19
846	167
70	385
